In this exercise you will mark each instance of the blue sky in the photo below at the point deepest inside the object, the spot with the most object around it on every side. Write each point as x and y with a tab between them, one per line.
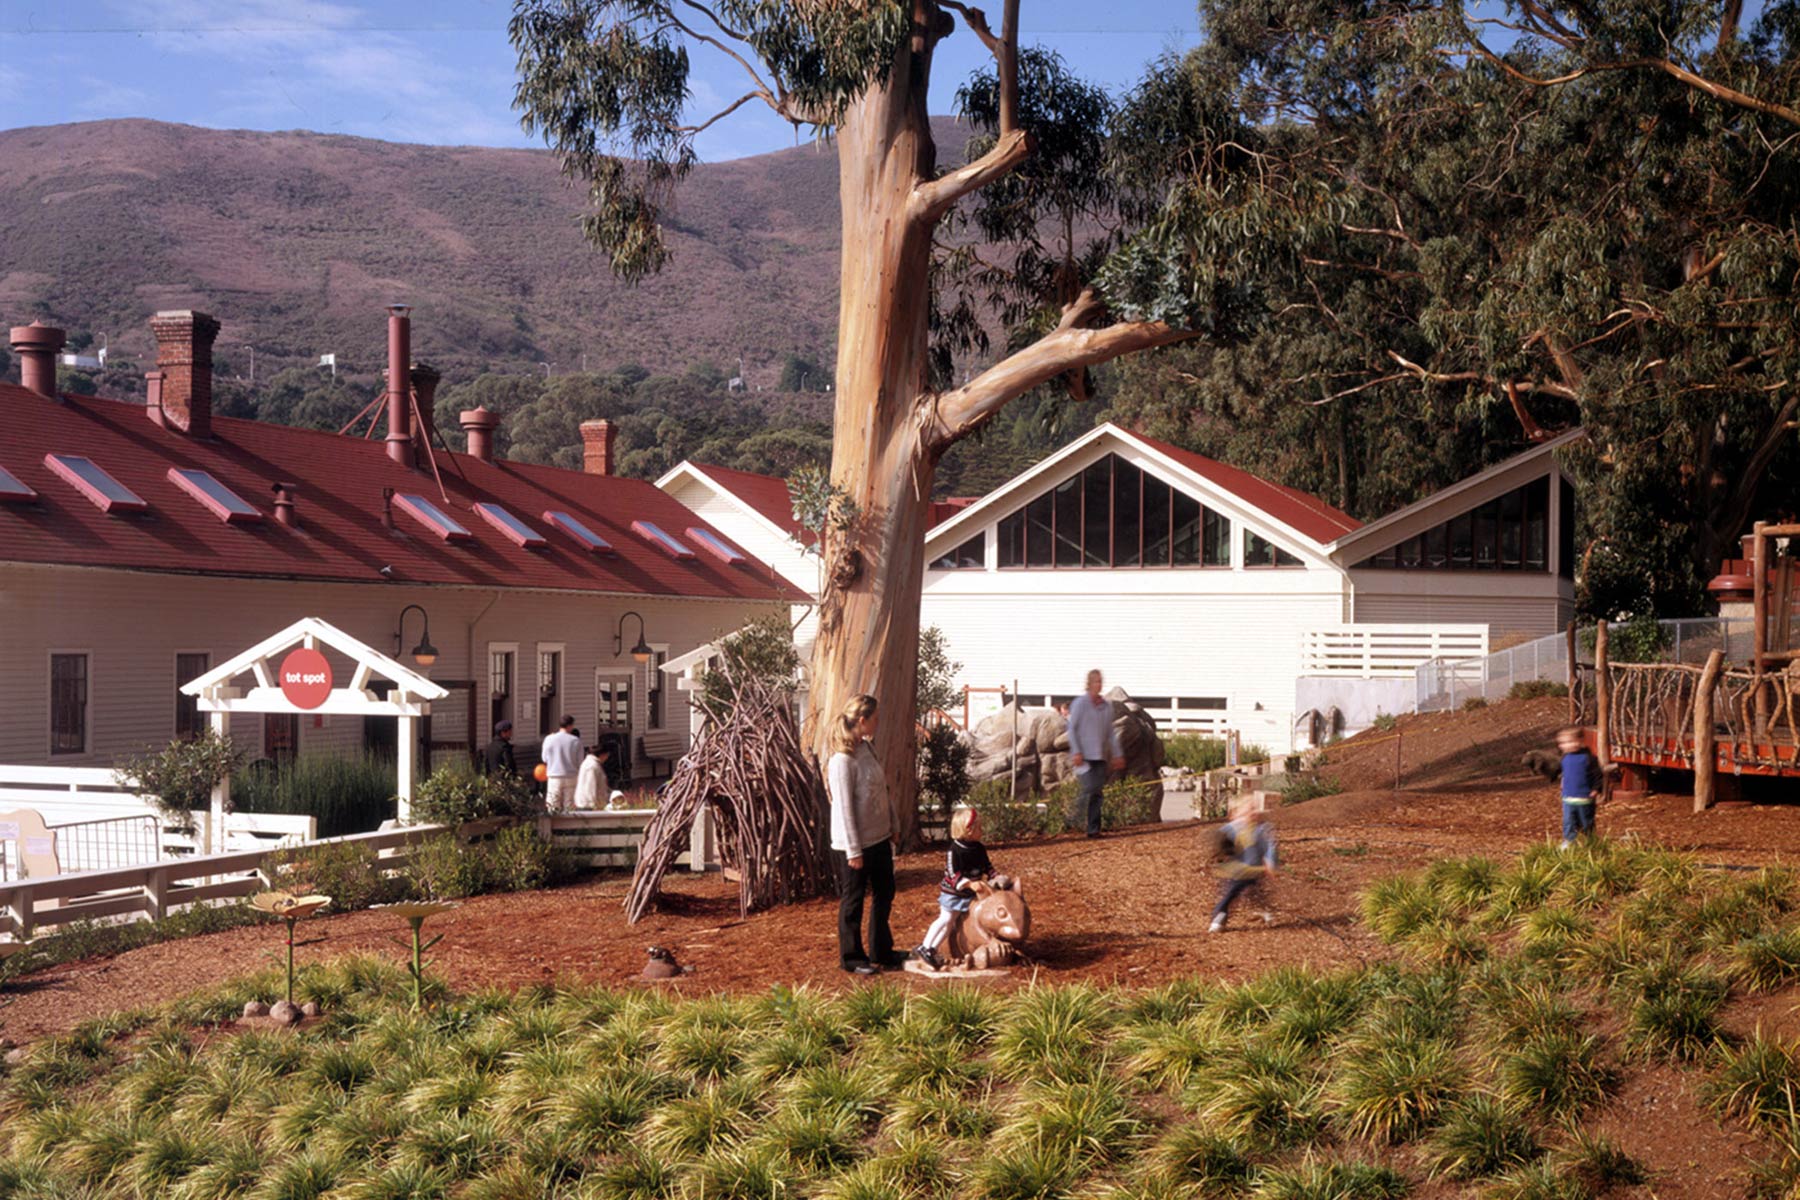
439	72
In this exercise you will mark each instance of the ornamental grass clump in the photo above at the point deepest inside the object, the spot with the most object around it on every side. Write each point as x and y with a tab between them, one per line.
1758	1082
1314	1180
1765	961
1479	1138
1053	1033
1393	1089
1556	1075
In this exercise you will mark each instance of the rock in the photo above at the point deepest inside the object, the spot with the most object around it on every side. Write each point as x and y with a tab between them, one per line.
284	1012
1043	744
15	1056
310	1009
255	1008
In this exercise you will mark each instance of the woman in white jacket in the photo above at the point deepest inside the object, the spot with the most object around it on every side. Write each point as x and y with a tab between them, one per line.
861	833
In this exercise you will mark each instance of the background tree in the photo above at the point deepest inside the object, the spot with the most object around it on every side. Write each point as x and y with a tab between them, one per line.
606	84
1548	216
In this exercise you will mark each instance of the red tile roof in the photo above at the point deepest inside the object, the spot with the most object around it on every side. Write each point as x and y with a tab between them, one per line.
1296	509
764	493
341	537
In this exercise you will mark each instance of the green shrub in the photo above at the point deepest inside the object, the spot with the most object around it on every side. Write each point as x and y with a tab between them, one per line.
181	776
1555	1075
1385	722
1758	1082
1131	802
1474	704
1004	819
1765	961
456	793
1536	689
443	868
1390	1091
351	874
1198	752
1312	1180
943	768
347	794
1299	791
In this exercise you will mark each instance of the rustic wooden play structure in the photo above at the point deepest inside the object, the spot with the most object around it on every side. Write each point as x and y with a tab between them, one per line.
1718	719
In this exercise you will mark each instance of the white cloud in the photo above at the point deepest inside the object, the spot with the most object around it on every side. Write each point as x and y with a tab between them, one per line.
332	67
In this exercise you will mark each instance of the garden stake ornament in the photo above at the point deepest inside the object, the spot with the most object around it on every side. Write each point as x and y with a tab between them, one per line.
289	908
415	914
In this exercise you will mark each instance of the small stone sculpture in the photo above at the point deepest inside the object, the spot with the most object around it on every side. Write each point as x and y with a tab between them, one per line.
662	964
991	933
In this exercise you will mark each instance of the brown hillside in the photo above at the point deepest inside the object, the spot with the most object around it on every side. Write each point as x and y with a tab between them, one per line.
295	239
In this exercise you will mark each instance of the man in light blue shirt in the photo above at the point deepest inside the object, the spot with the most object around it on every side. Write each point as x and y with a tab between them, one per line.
1093	747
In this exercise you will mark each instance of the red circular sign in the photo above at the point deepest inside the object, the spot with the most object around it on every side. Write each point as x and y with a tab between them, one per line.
305	678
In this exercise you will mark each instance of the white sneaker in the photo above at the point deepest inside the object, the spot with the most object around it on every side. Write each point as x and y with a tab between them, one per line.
1268	918
1218	925
1565	845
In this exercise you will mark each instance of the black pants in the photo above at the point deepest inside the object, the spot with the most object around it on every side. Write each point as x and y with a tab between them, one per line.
1234	888
874	879
1093	785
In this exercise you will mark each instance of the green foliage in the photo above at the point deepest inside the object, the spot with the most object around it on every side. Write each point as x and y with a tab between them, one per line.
943	768
1765	961
1534	689
1127	802
181	776
761	651
1004	819
350	873
1630	637
1198	752
348	794
456	793
1300	790
1557	1073
1392	1089
936	680
821	505
1385	722
1313	1180
1474	704
1479	1137
803	375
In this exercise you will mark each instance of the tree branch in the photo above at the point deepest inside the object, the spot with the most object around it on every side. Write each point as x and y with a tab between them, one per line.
746	98
935	197
1071	346
1004	48
1717	91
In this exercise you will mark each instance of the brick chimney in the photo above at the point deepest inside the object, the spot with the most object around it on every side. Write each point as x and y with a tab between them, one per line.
597	447
36	345
425	379
182	398
399	386
479	425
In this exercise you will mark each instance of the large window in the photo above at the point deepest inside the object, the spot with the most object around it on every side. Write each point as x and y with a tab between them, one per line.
1565	532
1259	551
653	690
500	686
1508	533
68	703
970	556
549	689
189	724
1112	515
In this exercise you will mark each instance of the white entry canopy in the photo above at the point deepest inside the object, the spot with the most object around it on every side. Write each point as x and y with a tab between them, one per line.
291	675
411	695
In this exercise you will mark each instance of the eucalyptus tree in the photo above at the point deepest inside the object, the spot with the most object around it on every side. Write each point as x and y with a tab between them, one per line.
1550	214
606	82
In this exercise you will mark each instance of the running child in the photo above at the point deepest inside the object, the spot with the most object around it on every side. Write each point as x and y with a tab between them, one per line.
1248	842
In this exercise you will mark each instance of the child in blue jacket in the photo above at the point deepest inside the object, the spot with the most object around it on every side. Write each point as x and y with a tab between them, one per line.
1580	786
1249	844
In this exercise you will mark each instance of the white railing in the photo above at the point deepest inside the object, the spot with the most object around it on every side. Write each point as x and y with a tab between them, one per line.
75	801
154	890
1386	651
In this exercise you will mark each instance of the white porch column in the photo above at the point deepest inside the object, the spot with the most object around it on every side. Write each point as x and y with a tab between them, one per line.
406	752
221	793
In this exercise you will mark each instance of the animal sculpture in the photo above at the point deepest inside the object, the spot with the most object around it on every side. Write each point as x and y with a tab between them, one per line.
662	964
991	933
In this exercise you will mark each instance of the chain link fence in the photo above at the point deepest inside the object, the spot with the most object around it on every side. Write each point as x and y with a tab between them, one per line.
1445	684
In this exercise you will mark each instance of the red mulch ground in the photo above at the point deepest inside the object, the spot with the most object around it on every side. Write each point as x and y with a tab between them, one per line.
1131	908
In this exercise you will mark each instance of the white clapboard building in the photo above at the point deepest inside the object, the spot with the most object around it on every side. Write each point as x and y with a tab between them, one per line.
1210	594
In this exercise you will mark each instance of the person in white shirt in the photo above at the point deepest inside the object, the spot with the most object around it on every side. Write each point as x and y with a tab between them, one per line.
591	785
862	837
562	764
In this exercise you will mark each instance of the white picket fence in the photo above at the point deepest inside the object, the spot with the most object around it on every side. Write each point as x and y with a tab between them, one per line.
1386	651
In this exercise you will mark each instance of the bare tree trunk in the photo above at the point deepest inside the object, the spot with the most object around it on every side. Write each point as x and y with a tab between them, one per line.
869	615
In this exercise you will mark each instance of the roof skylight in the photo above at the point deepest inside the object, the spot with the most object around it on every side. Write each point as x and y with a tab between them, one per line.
654	534
516	530
220	500
590	541
12	490
433	518
713	544
86	476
